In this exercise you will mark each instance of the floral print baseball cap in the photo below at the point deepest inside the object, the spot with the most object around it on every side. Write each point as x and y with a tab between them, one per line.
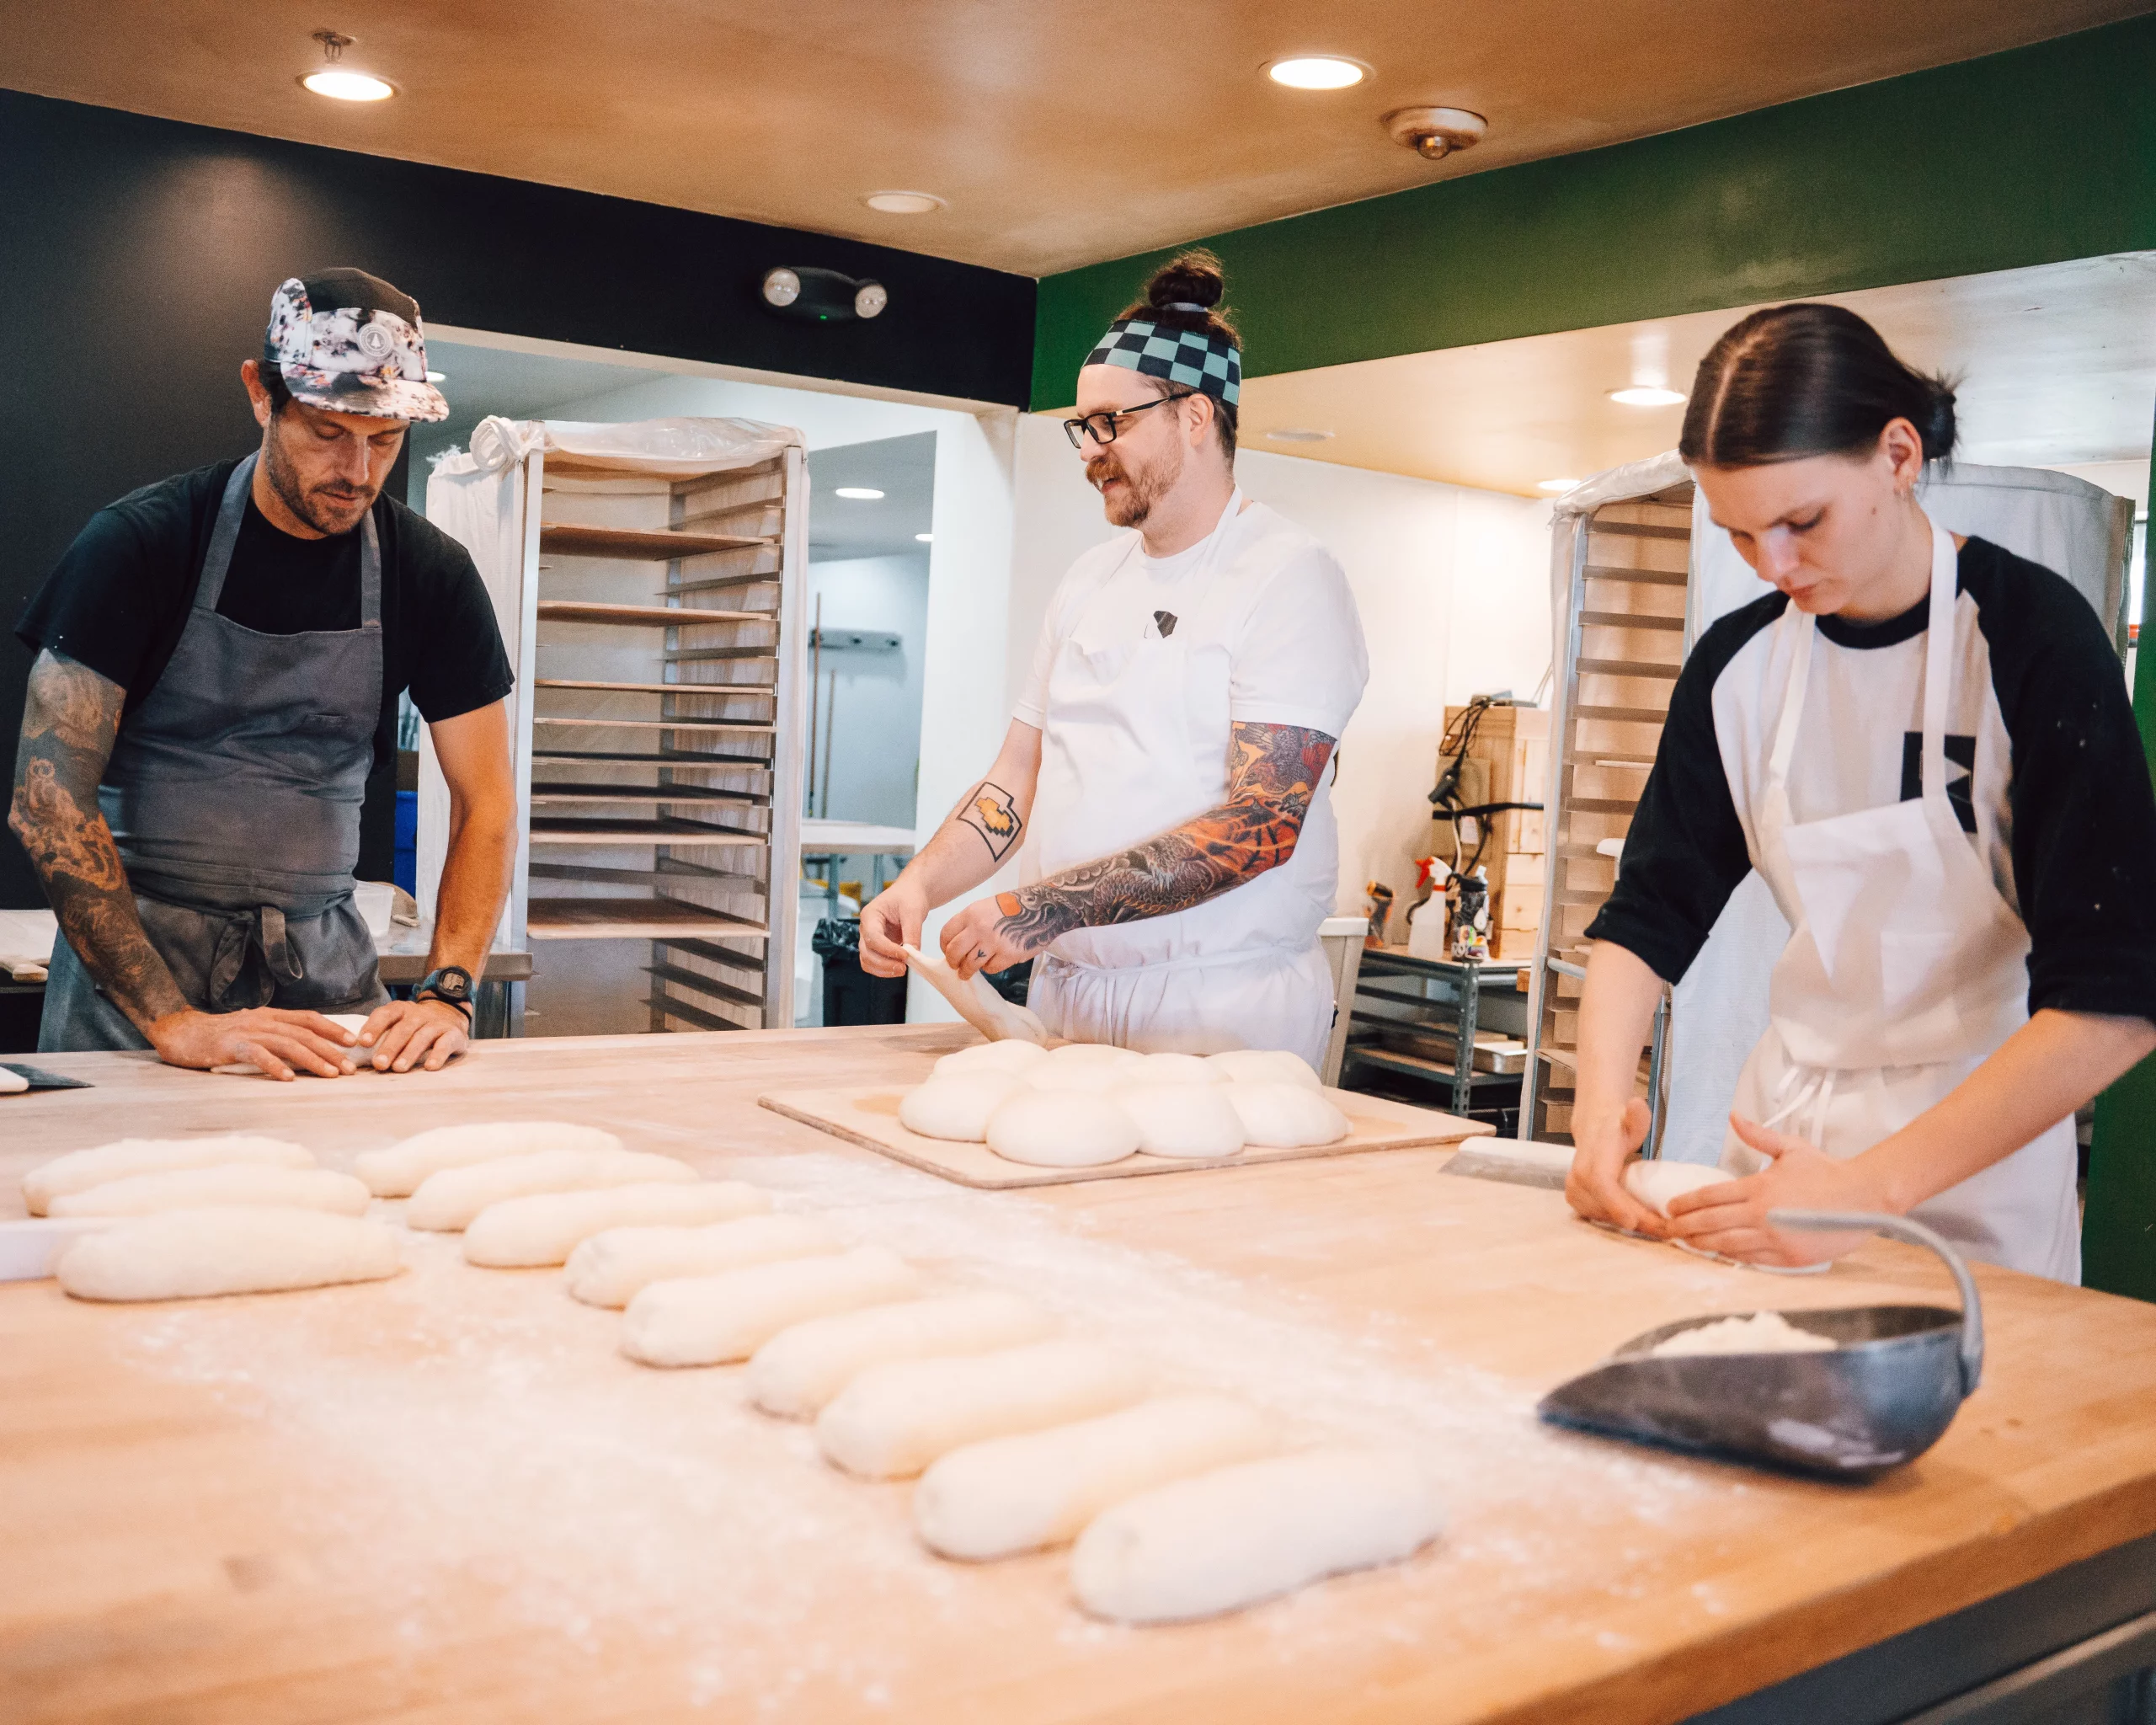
348	341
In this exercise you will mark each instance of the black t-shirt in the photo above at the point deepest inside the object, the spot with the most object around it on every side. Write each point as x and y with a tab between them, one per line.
2044	772
119	597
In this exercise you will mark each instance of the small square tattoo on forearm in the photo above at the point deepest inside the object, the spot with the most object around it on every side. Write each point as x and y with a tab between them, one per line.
991	812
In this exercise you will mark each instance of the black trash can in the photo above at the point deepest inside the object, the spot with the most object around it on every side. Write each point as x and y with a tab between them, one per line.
851	994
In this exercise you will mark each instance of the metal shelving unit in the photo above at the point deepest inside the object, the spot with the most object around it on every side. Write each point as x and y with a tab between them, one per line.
1410	1016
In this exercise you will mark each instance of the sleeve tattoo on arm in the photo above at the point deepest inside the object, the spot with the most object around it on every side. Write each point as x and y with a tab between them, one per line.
1273	771
69	722
991	811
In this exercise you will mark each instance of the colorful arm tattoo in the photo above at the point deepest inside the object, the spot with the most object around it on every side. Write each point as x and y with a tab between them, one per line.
69	722
992	812
1273	771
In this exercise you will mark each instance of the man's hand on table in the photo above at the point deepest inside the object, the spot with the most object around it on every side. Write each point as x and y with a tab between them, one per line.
406	1033
270	1037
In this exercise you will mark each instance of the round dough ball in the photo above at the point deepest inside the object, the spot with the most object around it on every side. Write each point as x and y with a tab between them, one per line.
1655	1183
1183	1119
956	1108
1287	1116
1061	1129
1265	1065
1084	1067
986	1057
1173	1068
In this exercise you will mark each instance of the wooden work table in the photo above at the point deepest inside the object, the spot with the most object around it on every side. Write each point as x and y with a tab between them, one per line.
447	1498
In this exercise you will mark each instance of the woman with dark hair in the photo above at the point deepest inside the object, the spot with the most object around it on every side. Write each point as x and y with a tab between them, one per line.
1924	745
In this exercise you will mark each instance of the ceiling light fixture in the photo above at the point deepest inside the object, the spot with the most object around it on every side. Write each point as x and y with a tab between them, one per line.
1297	433
858	494
925	538
1555	484
1646	395
906	203
1317	72
339	82
1435	133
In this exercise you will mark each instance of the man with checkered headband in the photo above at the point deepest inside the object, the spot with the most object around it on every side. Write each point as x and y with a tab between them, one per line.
1166	778
219	658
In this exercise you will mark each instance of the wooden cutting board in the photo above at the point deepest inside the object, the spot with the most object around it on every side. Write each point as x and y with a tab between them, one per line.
867	1115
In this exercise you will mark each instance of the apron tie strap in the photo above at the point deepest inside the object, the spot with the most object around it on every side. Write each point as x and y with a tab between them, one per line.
239	938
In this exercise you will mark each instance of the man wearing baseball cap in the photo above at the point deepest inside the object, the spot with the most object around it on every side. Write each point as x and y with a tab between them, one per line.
219	661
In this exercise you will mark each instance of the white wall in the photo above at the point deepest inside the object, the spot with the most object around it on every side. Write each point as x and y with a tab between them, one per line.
1452	584
872	701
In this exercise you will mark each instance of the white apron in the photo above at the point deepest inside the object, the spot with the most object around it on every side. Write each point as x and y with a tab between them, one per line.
1905	970
1125	734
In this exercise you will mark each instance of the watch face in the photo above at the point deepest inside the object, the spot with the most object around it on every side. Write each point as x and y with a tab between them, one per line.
448	985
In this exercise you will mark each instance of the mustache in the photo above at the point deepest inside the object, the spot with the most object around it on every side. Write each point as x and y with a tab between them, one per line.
1103	469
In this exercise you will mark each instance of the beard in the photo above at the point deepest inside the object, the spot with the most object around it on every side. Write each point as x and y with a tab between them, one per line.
1141	490
330	508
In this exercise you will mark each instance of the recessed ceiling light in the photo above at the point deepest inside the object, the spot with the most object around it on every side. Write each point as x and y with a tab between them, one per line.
1555	484
1297	433
341	85
906	203
1646	395
1316	72
925	538
859	493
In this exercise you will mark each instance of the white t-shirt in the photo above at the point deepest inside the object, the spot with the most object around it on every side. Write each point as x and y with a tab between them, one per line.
1266	632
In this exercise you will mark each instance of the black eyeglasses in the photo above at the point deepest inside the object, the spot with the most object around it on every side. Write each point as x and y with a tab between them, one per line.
1103	426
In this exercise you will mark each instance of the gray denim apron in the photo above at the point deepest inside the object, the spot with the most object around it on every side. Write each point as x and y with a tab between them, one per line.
233	793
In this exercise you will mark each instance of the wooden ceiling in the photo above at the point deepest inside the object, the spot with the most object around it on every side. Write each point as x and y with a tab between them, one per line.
1059	133
2055	366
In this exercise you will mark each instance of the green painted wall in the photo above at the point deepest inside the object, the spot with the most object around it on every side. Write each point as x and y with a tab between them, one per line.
2030	157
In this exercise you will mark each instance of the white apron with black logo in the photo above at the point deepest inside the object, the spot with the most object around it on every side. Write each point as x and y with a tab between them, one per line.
233	793
1905	970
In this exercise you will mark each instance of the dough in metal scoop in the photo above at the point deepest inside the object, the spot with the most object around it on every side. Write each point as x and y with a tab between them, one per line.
183	1253
1072	1129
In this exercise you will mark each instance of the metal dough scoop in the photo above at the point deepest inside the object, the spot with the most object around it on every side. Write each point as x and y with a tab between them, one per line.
1891	1386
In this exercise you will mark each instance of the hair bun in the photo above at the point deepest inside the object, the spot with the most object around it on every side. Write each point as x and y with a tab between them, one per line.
1937	427
1194	278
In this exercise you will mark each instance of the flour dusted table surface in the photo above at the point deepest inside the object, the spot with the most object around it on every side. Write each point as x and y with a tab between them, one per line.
447	1498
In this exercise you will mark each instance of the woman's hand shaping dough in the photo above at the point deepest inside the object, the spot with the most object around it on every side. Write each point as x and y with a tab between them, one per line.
1595	1185
1730	1218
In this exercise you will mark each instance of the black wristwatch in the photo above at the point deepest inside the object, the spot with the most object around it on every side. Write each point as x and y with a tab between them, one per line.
452	983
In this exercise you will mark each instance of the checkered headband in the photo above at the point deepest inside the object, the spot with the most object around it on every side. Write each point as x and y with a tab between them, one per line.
1194	358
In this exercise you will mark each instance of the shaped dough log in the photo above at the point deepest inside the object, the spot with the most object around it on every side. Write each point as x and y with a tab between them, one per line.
1222	1540
81	1169
234	1183
800	1369
711	1320
1287	1116
1654	1184
957	1108
1265	1065
448	1201
1066	1128
894	1420
1176	1119
231	1249
1016	1494
613	1267
399	1171
984	1058
546	1226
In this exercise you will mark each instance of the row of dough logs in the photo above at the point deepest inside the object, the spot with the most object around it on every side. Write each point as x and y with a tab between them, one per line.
1180	1505
1087	1104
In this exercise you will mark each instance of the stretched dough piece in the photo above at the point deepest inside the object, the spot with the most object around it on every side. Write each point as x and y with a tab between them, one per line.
1287	1116
799	1369
984	1058
1017	1494
957	1107
234	1183
894	1420
1654	1184
1267	1065
1173	1068
976	1001
225	1249
1068	1128
449	1201
711	1320
1183	1119
399	1171
613	1267
546	1226
1222	1540
81	1169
